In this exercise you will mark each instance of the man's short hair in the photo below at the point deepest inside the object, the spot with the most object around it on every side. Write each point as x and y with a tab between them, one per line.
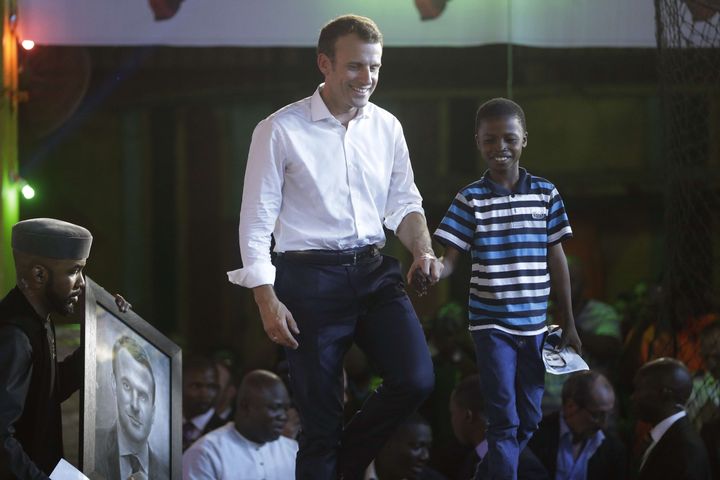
579	387
198	362
137	352
338	27
499	107
468	395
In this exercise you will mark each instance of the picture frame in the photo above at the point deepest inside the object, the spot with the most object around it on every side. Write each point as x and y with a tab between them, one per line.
132	394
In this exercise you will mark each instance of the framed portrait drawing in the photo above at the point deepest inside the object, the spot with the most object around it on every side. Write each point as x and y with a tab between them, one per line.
131	412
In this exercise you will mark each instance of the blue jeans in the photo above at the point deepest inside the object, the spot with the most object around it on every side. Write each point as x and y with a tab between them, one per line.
335	306
512	375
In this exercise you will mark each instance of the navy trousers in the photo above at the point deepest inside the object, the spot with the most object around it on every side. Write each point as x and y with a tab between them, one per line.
335	306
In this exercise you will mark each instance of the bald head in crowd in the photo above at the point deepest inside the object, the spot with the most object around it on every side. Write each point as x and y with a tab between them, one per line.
262	406
662	388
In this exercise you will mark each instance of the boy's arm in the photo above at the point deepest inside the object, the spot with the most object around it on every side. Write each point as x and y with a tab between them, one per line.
449	260
560	278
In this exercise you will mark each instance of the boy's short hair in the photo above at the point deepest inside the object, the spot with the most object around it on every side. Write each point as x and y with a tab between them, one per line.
499	107
363	27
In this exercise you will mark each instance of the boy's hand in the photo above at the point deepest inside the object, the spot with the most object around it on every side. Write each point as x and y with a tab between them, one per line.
419	282
570	338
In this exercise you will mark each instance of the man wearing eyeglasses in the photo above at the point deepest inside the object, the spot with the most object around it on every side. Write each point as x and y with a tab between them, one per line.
574	444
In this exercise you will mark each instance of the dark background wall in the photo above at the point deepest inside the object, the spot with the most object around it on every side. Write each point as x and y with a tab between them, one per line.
152	161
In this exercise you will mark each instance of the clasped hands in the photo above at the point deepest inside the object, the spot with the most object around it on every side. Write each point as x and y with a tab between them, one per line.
424	272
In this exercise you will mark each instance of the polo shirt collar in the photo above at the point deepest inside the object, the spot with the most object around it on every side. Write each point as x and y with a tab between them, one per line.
522	186
319	111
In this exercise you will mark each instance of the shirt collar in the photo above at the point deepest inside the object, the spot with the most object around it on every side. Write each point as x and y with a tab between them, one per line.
659	430
202	420
481	449
319	111
597	437
124	448
522	186
370	472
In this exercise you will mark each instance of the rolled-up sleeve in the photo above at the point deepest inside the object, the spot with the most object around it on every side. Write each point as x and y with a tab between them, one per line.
403	196
261	202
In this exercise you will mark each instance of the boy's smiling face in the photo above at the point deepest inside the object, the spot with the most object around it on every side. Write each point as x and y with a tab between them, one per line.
500	141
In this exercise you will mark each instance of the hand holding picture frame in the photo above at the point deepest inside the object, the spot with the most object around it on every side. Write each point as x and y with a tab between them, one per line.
132	394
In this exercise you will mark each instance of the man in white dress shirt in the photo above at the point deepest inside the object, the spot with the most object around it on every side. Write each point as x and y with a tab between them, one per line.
324	176
251	447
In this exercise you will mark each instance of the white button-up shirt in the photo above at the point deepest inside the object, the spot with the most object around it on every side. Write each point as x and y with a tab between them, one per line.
224	454
315	184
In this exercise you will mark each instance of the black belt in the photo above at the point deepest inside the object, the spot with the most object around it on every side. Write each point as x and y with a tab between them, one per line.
352	256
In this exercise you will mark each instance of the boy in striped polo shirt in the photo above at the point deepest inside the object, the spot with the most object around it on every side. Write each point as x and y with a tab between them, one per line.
512	223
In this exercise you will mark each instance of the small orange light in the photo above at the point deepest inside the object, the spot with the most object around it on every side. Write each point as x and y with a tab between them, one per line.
27	44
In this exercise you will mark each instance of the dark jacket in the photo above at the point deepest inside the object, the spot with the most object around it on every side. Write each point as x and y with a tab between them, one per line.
107	457
608	461
680	454
32	385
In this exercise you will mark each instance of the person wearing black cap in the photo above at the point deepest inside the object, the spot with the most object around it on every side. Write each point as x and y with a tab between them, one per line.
49	259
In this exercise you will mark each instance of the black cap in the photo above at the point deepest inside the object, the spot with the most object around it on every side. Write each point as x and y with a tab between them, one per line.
51	238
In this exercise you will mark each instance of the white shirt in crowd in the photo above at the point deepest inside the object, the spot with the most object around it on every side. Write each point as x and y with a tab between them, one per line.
224	454
659	430
316	185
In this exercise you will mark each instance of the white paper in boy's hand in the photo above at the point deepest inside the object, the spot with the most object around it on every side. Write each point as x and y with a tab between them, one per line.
65	471
560	362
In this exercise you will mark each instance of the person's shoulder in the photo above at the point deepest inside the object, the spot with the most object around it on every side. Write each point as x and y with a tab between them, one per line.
379	113
14	340
298	109
477	187
540	182
286	443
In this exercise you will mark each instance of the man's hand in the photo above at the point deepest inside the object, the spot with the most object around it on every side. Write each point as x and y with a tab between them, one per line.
277	320
570	338
424	272
122	304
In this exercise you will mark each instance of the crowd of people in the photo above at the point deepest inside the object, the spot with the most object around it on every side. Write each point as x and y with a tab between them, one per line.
666	426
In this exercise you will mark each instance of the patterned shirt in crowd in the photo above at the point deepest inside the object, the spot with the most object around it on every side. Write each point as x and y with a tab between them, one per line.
508	234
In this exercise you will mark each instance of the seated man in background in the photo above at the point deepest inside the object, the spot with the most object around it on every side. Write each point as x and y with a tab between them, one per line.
199	391
227	390
574	443
250	447
662	387
469	423
406	454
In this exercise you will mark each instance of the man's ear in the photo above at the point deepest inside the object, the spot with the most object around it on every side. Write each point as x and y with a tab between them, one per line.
324	63
39	276
525	137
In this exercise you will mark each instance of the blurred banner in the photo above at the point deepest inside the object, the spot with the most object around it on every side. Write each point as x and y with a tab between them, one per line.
542	23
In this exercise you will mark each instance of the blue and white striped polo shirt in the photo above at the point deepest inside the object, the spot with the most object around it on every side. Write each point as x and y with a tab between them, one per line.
507	234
